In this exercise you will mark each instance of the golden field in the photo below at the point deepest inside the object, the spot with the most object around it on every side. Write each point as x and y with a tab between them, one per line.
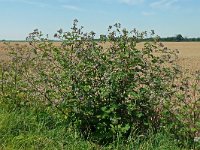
189	53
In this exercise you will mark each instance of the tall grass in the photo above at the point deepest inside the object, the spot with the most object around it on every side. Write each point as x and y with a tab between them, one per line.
36	128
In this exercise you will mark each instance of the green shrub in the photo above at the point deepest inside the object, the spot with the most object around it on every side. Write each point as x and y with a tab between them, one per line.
108	88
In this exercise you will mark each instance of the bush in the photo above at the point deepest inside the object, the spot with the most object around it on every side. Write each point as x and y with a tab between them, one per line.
107	89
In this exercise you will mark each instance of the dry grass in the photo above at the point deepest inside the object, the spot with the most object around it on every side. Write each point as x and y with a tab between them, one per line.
189	56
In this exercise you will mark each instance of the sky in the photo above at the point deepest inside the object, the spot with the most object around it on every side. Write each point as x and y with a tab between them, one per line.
167	18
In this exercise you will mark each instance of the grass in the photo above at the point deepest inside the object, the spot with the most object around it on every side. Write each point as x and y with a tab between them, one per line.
35	127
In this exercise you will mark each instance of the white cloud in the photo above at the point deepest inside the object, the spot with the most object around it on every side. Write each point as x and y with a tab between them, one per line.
164	4
39	4
29	2
131	2
72	7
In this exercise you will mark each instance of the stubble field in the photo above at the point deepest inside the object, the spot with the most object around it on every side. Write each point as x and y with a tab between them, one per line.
189	54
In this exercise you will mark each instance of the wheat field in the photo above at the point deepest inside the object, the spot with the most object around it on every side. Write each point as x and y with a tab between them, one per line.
189	53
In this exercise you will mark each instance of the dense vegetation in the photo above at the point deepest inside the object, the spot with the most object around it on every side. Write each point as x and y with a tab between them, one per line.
86	94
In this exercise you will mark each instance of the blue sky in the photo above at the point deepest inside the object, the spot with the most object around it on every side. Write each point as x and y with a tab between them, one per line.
166	17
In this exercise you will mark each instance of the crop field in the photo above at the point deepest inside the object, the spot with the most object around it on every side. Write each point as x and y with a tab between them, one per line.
189	53
189	56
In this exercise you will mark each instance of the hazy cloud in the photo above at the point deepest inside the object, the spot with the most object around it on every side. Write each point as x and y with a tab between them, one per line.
144	13
164	4
72	7
29	2
131	2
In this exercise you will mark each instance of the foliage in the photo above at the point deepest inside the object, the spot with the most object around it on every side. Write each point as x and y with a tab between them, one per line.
179	38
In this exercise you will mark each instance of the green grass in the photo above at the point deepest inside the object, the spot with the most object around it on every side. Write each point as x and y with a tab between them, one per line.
34	127
31	128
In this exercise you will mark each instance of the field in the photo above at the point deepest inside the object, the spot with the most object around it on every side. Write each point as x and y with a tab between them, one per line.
189	53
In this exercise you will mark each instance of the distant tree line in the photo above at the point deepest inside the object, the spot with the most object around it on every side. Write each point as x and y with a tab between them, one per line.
177	38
